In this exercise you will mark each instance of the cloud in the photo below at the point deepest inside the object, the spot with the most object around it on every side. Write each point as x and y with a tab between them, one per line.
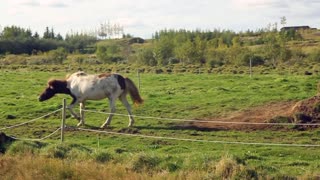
39	3
30	3
260	4
58	5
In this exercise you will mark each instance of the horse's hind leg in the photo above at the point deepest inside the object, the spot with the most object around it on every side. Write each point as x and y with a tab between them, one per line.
112	111
125	102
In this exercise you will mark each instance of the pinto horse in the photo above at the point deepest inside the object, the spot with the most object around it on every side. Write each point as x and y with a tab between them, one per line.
81	87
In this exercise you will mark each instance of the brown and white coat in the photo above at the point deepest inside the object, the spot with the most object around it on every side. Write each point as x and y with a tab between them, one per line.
82	87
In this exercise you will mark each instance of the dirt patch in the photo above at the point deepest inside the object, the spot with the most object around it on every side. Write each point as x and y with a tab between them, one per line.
305	111
253	115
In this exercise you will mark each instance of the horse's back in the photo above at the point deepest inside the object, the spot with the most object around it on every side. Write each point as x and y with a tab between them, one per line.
94	87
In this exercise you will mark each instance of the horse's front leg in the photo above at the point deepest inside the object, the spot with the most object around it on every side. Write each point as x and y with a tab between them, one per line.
112	111
70	107
81	121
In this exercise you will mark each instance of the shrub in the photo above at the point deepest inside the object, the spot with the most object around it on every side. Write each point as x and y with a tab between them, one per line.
57	56
24	147
280	119
102	157
301	118
314	56
56	151
62	151
144	162
229	168
226	167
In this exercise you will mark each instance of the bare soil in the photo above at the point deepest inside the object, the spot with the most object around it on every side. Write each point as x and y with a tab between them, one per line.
305	111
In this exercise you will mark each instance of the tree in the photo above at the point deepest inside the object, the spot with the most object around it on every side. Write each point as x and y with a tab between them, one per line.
236	41
52	34
145	57
59	37
199	52
58	56
283	21
15	32
36	35
271	48
221	44
46	34
163	50
185	52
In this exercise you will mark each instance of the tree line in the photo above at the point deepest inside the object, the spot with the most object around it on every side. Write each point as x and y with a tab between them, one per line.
267	46
17	40
219	47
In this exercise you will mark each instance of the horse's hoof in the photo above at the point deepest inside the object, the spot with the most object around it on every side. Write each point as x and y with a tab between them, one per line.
80	124
77	118
104	126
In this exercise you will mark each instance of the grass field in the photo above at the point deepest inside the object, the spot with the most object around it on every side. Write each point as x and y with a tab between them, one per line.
181	96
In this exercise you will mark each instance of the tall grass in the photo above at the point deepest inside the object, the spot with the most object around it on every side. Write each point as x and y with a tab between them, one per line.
29	167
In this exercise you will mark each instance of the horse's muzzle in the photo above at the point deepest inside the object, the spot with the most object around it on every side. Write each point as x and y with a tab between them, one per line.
40	99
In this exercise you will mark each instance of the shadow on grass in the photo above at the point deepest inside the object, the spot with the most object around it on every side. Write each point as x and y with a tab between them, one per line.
180	127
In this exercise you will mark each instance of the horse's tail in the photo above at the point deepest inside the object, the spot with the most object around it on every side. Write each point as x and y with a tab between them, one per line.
133	91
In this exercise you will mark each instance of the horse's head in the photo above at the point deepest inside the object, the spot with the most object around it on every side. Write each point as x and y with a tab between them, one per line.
54	87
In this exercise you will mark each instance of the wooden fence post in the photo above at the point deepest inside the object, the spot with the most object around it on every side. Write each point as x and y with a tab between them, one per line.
63	119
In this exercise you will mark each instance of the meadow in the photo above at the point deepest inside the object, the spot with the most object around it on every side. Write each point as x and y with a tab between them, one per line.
173	96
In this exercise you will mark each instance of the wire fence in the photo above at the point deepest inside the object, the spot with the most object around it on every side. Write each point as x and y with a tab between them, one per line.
209	121
162	137
200	140
204	121
33	120
21	124
40	139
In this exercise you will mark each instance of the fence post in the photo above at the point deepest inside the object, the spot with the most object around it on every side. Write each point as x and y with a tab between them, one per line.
63	119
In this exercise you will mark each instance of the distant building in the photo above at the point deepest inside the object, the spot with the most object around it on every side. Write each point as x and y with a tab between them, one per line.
295	28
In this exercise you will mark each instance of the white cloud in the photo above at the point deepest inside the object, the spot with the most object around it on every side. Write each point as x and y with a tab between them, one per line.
259	3
144	17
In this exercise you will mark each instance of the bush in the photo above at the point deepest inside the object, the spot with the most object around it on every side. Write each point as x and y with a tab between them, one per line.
24	147
144	162
281	119
57	56
62	151
229	168
314	56
226	168
14	59
301	118
56	151
102	157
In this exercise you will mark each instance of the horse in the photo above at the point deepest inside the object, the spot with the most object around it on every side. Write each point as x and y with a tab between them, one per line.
82	87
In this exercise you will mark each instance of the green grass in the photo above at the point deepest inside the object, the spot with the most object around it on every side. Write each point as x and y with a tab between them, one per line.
185	96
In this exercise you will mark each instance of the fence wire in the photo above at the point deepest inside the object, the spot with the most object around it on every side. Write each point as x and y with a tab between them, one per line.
40	139
21	124
29	139
209	121
200	140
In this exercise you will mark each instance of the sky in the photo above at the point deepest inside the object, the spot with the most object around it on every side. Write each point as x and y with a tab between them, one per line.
142	18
